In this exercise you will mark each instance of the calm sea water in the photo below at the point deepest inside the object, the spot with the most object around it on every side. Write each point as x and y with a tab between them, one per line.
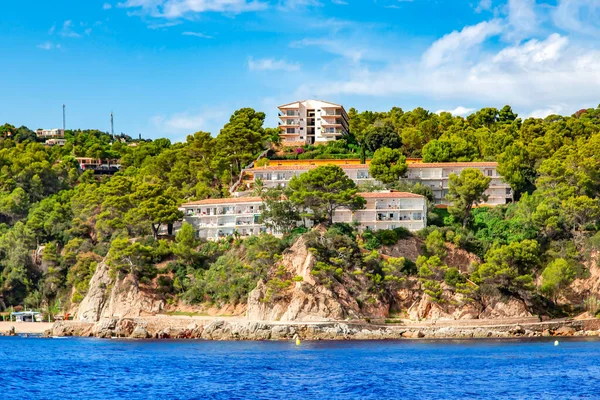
74	368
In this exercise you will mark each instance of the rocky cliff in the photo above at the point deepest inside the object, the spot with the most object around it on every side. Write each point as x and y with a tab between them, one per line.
120	297
308	300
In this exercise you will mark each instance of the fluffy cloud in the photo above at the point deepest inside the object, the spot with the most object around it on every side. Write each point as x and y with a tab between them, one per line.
488	64
180	8
271	64
581	16
460	111
457	44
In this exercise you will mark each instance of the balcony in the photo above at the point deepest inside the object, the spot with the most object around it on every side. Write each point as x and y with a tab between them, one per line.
289	113
337	113
332	132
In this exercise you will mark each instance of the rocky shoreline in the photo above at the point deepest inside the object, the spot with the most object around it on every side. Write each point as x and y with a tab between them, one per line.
179	328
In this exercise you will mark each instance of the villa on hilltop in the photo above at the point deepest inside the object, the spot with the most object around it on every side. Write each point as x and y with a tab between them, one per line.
312	122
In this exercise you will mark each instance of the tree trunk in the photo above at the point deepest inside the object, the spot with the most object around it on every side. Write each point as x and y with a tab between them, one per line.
466	218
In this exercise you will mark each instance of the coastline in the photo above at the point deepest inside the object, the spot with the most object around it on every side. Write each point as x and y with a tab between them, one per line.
25	327
240	329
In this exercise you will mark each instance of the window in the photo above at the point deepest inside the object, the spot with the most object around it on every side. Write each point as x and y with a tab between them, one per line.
489	172
291	130
417	216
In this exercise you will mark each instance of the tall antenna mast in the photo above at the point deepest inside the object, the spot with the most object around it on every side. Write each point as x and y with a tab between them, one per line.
112	126
64	118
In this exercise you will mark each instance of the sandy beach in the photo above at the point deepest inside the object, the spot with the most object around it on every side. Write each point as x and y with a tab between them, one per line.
25	327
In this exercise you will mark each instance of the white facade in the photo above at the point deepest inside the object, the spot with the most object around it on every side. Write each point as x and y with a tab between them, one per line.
54	142
434	175
50	133
218	218
311	122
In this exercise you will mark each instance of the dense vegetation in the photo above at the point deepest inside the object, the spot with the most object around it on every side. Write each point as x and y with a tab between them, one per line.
57	222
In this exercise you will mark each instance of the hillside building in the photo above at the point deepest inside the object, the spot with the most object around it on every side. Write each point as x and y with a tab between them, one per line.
50	133
434	175
214	219
312	122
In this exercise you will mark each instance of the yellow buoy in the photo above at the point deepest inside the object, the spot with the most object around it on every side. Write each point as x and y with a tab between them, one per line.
556	342
297	342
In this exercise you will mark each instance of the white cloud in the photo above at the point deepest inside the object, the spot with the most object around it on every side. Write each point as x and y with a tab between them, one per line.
333	46
185	123
457	44
48	46
460	111
536	74
545	112
271	64
179	8
106	6
581	16
296	4
69	29
197	34
522	18
483	5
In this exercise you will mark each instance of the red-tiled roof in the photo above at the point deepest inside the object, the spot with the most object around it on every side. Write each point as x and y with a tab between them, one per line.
390	195
453	164
230	200
365	166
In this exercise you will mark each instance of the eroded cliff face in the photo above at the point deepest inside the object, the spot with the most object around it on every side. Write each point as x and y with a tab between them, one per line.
119	297
308	300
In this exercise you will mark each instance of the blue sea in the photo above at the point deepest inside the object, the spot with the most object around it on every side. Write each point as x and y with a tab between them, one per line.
78	368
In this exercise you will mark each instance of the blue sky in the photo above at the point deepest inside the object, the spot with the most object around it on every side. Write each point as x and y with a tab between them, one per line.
167	68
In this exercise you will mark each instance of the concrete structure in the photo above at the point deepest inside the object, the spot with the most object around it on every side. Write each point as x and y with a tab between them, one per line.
55	142
434	175
214	219
50	133
311	122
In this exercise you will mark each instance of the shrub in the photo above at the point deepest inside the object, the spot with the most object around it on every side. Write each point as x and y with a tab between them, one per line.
402	233
387	237
453	277
371	241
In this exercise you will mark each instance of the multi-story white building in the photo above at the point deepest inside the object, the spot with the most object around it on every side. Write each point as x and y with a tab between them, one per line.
311	122
434	175
217	218
50	133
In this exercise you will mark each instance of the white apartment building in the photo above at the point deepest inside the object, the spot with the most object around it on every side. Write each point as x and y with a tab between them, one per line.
434	175
214	219
55	142
311	122
50	133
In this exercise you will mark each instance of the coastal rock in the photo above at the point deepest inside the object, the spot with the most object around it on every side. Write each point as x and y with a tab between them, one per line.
565	331
506	307
91	306
71	328
140	333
